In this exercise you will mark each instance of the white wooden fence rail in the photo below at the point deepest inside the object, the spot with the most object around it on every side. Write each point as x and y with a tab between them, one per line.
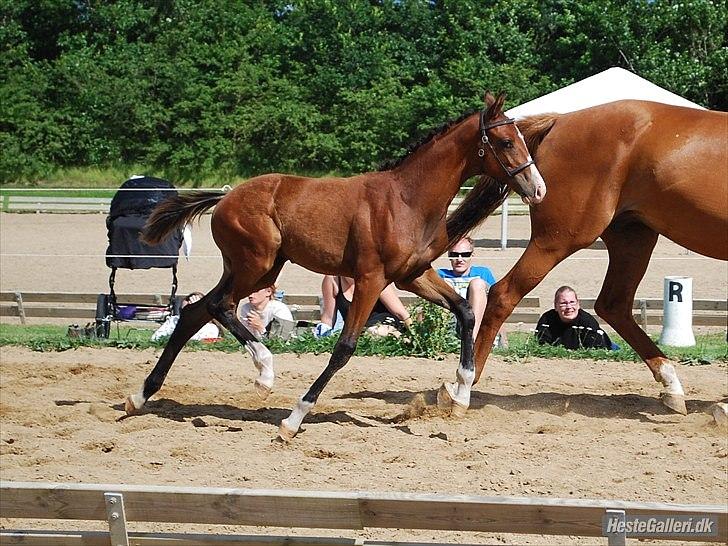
309	510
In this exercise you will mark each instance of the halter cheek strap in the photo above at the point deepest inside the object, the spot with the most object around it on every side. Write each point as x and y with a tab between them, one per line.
484	128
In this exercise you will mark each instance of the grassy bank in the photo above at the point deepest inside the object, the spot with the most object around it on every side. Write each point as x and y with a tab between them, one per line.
709	348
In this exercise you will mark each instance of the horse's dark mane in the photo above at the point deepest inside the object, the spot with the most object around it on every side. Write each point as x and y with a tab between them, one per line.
411	148
487	195
535	128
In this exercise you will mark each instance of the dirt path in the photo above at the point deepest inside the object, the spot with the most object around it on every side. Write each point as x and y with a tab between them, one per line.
543	428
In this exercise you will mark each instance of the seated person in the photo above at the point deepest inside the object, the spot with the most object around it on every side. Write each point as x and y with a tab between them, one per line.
212	331
567	324
389	315
259	314
472	282
264	315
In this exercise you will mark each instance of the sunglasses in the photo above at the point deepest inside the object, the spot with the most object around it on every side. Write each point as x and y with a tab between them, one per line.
459	254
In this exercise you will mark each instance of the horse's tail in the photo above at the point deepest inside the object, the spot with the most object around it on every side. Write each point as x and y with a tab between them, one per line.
487	195
176	211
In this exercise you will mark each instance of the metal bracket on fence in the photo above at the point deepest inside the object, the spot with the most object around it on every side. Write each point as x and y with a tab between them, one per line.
21	309
618	538
116	518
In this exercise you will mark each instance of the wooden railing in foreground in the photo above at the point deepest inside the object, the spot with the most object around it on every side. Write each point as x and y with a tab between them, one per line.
120	504
306	307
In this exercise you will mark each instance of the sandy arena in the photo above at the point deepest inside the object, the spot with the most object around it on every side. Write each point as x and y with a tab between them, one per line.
541	428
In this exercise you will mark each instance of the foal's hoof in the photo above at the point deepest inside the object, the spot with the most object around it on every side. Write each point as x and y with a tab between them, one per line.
676	402
262	390
130	408
448	404
444	400
719	412
458	410
285	434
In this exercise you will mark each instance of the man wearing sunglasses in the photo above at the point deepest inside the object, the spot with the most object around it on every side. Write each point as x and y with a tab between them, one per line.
470	281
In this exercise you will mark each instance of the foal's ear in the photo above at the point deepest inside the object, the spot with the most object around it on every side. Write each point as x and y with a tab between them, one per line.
494	104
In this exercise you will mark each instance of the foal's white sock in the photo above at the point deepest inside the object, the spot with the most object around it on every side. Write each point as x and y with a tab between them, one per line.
263	362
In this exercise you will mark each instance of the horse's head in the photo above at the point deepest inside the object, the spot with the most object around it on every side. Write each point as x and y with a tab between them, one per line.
505	154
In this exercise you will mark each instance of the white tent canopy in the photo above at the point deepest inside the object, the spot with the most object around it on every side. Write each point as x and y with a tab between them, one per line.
610	85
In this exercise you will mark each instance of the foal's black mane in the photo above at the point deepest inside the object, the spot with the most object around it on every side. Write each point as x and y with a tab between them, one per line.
412	147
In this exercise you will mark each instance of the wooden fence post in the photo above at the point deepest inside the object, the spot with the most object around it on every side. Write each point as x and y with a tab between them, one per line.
21	309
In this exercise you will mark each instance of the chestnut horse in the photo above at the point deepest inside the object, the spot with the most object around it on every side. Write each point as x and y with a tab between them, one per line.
378	228
627	172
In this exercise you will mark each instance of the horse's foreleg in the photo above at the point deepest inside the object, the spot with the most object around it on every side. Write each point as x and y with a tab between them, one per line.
630	247
365	296
503	296
452	397
192	317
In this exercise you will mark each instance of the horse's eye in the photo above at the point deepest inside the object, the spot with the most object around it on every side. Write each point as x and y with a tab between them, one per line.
508	144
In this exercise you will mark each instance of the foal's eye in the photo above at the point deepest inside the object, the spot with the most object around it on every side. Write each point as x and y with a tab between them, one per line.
508	144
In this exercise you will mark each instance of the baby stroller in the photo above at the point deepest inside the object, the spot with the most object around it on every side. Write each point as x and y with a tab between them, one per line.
130	208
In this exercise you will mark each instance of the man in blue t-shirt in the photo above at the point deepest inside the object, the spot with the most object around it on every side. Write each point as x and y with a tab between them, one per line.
470	281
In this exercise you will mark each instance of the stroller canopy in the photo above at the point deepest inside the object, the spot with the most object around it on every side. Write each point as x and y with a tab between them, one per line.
130	209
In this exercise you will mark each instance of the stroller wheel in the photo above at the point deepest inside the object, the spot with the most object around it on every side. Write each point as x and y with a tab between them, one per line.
103	316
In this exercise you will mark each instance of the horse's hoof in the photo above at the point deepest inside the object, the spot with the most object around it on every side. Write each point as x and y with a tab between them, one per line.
130	408
676	402
458	410
444	400
285	434
262	390
719	412
448	405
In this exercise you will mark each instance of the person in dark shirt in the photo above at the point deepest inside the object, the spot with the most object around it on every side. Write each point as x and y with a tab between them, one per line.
567	324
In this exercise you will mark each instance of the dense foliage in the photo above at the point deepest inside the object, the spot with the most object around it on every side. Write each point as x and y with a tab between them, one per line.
214	87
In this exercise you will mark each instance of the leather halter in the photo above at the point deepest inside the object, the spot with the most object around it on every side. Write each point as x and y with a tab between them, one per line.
484	127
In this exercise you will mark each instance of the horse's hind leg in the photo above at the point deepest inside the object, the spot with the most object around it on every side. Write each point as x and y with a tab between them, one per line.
452	397
365	296
630	246
223	307
192	317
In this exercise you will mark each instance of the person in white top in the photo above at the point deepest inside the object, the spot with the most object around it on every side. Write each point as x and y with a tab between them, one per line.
209	332
257	314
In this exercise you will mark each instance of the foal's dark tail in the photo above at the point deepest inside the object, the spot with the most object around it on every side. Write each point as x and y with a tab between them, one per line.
176	211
